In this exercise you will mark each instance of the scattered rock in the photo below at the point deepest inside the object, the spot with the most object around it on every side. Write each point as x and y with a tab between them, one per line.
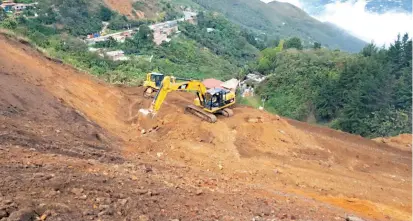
174	220
147	168
89	213
153	193
220	167
108	211
103	207
199	192
3	213
42	217
77	191
278	171
54	208
253	120
141	192
25	214
122	202
353	218
143	218
143	131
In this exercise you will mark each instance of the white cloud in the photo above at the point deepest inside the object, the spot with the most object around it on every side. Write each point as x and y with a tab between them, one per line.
352	16
369	26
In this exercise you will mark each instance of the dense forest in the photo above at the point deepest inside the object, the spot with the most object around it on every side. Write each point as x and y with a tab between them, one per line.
367	93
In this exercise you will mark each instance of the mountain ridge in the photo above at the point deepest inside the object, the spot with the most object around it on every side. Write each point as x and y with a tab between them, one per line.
283	20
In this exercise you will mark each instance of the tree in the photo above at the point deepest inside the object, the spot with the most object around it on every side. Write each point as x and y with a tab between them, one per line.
9	23
316	45
3	15
110	43
369	50
267	61
294	43
105	13
142	41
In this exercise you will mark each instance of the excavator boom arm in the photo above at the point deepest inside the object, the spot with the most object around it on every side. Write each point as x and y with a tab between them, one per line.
168	86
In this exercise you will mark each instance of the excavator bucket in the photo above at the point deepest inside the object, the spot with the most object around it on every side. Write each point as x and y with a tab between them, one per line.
146	119
145	112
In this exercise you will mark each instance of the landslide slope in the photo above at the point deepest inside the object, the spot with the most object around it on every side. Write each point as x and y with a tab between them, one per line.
142	8
253	164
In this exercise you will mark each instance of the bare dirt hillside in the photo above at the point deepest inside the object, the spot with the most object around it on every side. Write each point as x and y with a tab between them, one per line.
146	9
72	149
403	141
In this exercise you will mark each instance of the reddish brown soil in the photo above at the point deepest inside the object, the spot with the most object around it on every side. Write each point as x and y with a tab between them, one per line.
71	149
125	7
403	141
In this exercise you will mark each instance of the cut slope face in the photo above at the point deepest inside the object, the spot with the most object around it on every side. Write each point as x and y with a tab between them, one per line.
144	8
403	141
251	155
124	7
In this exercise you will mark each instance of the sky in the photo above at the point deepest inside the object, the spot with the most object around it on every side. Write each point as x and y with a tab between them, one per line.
382	29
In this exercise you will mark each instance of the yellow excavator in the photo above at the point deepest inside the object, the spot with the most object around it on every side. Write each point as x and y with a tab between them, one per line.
206	105
152	84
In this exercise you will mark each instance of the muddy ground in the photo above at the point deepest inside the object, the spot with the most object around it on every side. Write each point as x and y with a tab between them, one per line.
71	148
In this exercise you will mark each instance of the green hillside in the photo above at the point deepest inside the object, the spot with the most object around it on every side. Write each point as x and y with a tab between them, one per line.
283	20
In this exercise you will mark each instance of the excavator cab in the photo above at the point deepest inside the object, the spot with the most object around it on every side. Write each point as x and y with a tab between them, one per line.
152	84
157	78
217	97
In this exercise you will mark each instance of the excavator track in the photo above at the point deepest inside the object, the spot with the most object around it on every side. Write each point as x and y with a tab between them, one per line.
227	112
211	118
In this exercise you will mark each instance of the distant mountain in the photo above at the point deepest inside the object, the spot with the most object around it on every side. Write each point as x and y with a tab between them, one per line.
283	20
315	7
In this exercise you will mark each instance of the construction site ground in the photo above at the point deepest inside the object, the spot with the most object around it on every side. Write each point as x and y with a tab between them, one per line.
75	148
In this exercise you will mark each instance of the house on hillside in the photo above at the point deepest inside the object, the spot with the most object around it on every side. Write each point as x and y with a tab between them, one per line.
7	6
190	16
118	36
10	6
20	7
117	55
161	31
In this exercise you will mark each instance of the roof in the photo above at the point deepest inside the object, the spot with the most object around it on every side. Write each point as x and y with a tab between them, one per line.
7	4
114	53
212	83
231	84
216	90
156	73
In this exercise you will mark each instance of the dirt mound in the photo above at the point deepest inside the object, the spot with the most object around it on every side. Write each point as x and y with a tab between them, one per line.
30	117
253	164
402	141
